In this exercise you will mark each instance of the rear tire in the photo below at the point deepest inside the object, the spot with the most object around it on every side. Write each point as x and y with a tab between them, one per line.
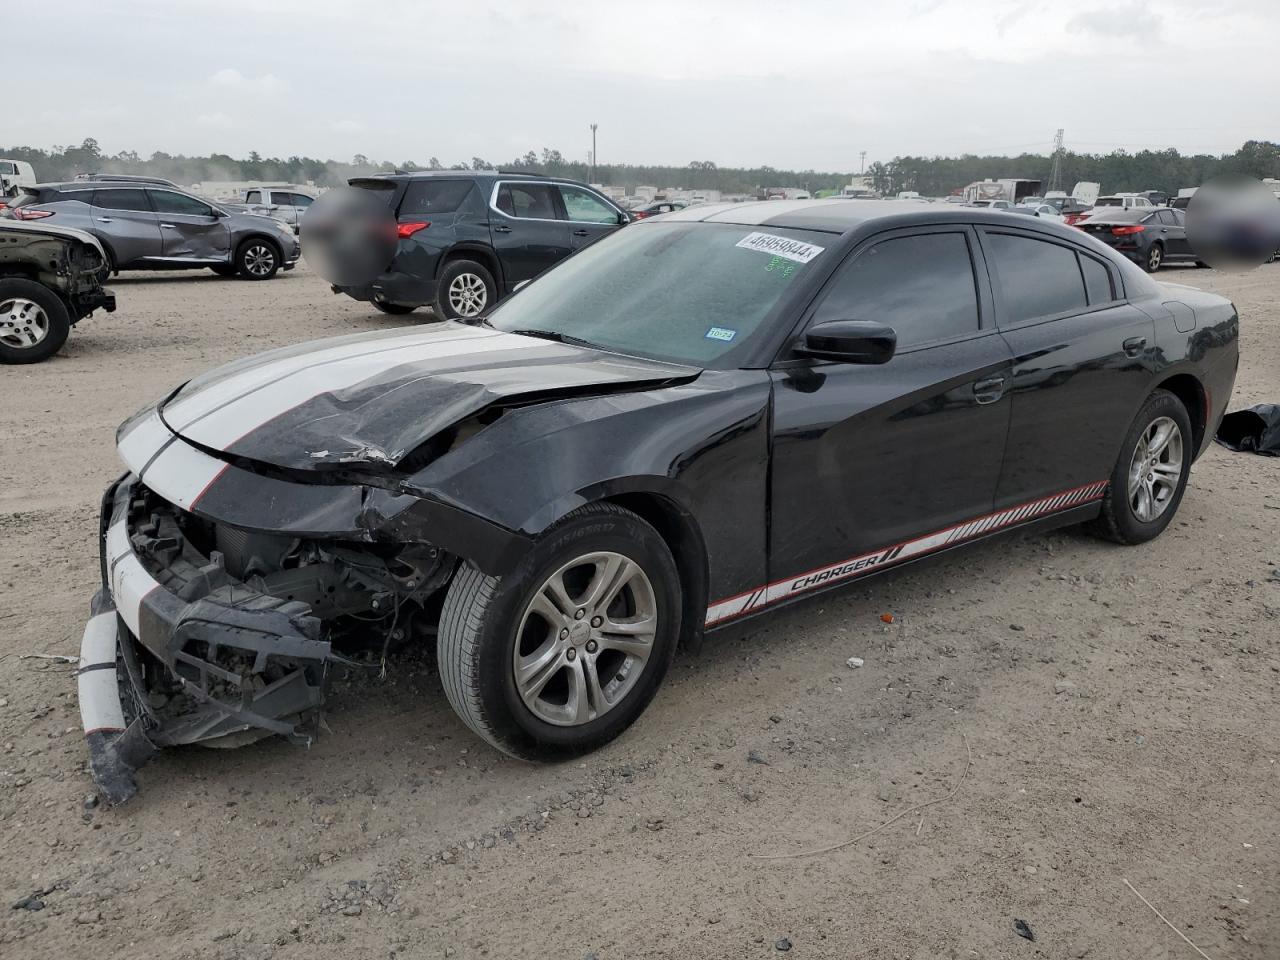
465	291
257	259
537	669
393	309
1154	258
1144	493
34	322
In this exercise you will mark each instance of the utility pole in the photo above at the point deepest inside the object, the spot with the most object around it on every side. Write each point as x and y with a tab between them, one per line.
862	163
1055	172
591	178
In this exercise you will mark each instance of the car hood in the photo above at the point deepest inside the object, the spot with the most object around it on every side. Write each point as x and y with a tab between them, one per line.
377	401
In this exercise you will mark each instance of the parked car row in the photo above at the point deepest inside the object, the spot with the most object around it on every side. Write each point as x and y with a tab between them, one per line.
144	225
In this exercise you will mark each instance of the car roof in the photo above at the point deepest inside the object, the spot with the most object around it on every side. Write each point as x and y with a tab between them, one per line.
843	216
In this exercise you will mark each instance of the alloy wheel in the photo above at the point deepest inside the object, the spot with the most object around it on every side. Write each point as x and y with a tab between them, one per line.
1154	257
1155	469
585	638
467	295
259	259
23	323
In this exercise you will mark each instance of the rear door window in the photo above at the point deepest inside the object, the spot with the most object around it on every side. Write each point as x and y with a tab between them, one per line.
433	197
527	200
121	199
921	285
1037	278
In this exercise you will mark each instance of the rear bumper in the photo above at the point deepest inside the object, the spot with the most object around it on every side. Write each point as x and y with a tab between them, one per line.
398	288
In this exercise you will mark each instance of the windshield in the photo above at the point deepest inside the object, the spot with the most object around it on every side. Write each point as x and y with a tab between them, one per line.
1109	202
689	292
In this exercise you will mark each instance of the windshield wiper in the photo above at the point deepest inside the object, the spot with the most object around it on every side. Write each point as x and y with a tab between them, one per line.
556	336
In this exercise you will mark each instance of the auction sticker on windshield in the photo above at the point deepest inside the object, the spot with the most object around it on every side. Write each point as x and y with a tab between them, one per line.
771	243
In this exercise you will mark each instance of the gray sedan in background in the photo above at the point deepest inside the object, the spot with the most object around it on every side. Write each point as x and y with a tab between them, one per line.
146	226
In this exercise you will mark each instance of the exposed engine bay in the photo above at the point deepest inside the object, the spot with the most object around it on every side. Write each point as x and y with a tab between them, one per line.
256	623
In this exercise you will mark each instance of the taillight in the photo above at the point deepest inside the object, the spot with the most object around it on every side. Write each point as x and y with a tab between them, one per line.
404	230
639	214
1127	231
29	213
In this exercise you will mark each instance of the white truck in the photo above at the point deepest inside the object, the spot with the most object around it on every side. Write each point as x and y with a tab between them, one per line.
15	174
286	202
1013	190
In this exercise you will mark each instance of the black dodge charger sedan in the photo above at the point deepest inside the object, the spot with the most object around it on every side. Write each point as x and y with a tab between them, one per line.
697	420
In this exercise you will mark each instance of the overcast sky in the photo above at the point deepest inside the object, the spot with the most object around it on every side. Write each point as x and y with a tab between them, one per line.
792	84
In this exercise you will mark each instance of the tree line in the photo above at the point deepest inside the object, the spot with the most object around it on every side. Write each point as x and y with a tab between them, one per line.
1119	170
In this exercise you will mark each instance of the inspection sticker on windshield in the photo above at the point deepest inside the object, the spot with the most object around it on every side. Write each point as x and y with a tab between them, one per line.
796	250
721	333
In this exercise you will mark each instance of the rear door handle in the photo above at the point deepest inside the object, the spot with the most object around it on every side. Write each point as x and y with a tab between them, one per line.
581	233
104	219
1133	346
168	226
501	228
989	390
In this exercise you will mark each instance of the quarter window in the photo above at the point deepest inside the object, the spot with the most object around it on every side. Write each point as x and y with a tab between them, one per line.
121	200
922	286
584	207
253	196
1097	281
529	200
168	202
1037	278
433	197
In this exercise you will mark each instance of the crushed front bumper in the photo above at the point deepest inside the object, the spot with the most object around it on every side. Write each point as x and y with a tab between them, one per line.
178	653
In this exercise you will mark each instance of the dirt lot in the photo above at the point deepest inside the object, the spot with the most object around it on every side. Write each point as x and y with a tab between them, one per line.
1120	705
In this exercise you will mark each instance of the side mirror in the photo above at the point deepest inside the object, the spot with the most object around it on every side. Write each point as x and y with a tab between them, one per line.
623	219
850	341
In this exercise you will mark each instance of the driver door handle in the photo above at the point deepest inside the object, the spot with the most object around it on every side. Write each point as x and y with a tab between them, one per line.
581	233
104	220
989	390
168	226
501	228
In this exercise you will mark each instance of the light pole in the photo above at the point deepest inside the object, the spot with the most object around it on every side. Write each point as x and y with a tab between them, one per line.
862	163
591	176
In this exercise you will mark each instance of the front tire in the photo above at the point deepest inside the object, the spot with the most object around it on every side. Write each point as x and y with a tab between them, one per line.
257	259
1151	473
465	290
1155	257
34	322
560	656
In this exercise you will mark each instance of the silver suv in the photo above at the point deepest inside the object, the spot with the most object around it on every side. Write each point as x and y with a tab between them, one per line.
148	226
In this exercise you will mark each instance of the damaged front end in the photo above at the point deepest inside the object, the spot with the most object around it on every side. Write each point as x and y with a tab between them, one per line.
210	634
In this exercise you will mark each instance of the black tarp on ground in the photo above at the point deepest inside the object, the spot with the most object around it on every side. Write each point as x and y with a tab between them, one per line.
1256	430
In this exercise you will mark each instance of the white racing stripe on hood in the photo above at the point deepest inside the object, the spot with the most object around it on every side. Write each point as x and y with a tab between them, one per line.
202	399
181	474
144	439
217	428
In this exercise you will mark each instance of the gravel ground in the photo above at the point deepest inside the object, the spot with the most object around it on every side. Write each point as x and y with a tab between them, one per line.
1119	706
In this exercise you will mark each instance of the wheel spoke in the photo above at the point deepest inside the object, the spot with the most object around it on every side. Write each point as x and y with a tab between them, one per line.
540	666
1142	505
579	699
632	648
1160	437
555	593
612	574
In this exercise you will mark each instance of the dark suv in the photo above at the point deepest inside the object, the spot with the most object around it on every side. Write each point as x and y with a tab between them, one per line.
468	238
